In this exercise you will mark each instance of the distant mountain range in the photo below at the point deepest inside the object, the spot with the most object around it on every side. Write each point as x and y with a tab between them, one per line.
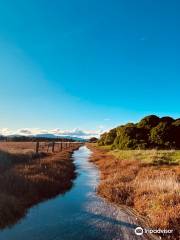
49	135
45	135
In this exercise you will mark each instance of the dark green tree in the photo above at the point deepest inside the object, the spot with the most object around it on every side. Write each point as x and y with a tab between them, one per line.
110	137
101	141
176	133
130	137
162	136
93	140
149	122
167	119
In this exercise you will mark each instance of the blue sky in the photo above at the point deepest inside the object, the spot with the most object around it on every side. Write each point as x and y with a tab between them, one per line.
88	64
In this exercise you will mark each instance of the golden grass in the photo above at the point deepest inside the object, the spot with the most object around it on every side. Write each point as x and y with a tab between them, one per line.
27	180
18	147
150	156
152	189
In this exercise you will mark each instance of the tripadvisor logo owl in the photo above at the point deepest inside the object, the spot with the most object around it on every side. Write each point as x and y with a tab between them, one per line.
139	231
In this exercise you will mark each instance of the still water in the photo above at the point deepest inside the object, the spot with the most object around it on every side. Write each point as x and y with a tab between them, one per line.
77	215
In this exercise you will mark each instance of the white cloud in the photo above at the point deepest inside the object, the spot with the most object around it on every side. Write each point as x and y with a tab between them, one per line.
5	131
25	131
58	132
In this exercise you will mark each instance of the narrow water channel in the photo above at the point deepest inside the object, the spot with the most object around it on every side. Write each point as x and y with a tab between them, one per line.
77	215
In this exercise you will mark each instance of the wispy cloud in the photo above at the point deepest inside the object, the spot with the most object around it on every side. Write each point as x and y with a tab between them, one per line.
58	132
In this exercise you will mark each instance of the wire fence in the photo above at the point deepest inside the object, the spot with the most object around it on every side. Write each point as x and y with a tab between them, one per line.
55	146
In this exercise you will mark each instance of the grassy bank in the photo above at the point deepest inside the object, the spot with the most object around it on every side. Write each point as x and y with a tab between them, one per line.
27	178
147	180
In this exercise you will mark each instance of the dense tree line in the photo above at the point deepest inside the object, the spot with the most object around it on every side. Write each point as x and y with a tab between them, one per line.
150	132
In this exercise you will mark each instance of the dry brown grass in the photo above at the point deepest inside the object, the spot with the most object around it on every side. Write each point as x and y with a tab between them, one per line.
17	147
27	180
154	191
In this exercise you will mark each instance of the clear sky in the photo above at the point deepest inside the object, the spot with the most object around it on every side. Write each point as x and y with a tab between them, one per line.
88	64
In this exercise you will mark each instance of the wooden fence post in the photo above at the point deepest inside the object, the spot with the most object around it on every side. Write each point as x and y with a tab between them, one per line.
53	144
48	147
37	147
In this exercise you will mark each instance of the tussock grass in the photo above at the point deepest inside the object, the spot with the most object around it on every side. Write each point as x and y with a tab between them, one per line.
163	182
27	178
18	147
135	178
